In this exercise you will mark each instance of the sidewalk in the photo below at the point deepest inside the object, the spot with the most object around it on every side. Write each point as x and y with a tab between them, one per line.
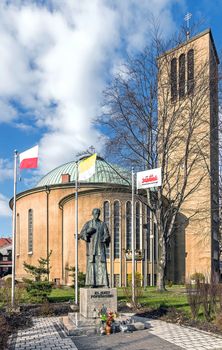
47	334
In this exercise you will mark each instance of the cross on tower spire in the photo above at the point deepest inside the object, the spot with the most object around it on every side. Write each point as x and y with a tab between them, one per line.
92	149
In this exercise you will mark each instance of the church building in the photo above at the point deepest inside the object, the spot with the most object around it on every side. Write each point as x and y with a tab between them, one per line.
46	221
46	213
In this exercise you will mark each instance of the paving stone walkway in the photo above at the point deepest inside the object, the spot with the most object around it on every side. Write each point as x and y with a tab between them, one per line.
185	337
47	334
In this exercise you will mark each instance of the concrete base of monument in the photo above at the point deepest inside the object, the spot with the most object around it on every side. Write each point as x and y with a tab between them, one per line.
76	324
92	300
87	321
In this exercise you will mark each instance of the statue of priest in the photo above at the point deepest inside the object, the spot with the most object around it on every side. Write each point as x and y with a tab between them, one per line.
96	235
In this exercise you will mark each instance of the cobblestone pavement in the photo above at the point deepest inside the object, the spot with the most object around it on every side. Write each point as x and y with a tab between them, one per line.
46	334
185	337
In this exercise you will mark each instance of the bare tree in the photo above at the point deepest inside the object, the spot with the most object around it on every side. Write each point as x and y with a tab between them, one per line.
151	120
220	154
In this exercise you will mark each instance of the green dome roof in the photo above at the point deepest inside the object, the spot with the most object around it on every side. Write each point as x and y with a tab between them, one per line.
105	173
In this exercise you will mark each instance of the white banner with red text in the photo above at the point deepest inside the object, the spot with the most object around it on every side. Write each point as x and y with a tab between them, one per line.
149	178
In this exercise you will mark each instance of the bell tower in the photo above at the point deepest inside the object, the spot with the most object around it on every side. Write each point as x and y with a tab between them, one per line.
188	109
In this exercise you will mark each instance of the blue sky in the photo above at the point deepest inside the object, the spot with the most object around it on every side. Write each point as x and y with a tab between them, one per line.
56	57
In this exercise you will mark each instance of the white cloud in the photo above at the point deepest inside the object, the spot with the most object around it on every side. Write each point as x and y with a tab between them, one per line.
7	112
4	206
6	170
55	59
24	127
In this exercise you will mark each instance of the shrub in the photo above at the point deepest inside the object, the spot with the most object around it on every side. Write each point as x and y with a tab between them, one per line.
38	288
206	295
194	299
170	284
6	295
198	277
210	296
81	276
5	330
139	290
219	293
218	321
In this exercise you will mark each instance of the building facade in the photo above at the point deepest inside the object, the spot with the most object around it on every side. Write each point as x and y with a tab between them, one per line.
187	85
46	221
188	99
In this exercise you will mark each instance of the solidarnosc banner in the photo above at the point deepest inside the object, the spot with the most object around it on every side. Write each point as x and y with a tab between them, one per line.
149	178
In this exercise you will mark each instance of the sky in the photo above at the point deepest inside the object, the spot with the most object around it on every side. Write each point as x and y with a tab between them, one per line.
56	58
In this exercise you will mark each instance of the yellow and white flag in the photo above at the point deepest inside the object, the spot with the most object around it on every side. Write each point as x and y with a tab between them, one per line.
87	167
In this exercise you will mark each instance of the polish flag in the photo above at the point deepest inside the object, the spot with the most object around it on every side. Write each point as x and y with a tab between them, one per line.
29	158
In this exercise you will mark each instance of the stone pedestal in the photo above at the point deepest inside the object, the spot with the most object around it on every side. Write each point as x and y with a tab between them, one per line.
93	299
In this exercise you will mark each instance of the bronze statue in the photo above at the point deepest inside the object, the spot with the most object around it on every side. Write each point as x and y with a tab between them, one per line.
96	235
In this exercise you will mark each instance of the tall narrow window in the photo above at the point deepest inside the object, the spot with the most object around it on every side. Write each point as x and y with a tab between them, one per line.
137	225
30	230
18	235
182	76
128	225
190	72
116	229
106	217
173	78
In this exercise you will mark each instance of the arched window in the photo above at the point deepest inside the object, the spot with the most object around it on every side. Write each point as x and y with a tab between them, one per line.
30	230
137	225
116	229
182	76
190	72
106	218
128	225
173	78
18	234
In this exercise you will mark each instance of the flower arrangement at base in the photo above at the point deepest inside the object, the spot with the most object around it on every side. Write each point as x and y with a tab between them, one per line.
107	318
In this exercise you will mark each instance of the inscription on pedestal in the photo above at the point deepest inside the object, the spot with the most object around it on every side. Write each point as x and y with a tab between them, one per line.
102	294
93	299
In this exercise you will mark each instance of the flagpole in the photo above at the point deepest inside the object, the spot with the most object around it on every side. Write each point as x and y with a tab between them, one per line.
133	242
14	229
76	235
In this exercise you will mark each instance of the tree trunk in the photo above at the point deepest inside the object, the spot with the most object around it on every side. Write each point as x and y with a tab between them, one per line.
161	260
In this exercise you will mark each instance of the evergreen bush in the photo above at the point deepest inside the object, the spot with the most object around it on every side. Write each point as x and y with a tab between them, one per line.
38	287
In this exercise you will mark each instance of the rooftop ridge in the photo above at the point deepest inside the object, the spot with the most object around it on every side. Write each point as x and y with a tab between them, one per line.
105	173
195	37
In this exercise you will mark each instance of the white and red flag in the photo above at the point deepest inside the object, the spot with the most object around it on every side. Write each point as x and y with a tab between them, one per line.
29	158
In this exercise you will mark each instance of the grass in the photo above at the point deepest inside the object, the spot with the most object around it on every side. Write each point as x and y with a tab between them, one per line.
169	298
57	295
61	295
174	296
